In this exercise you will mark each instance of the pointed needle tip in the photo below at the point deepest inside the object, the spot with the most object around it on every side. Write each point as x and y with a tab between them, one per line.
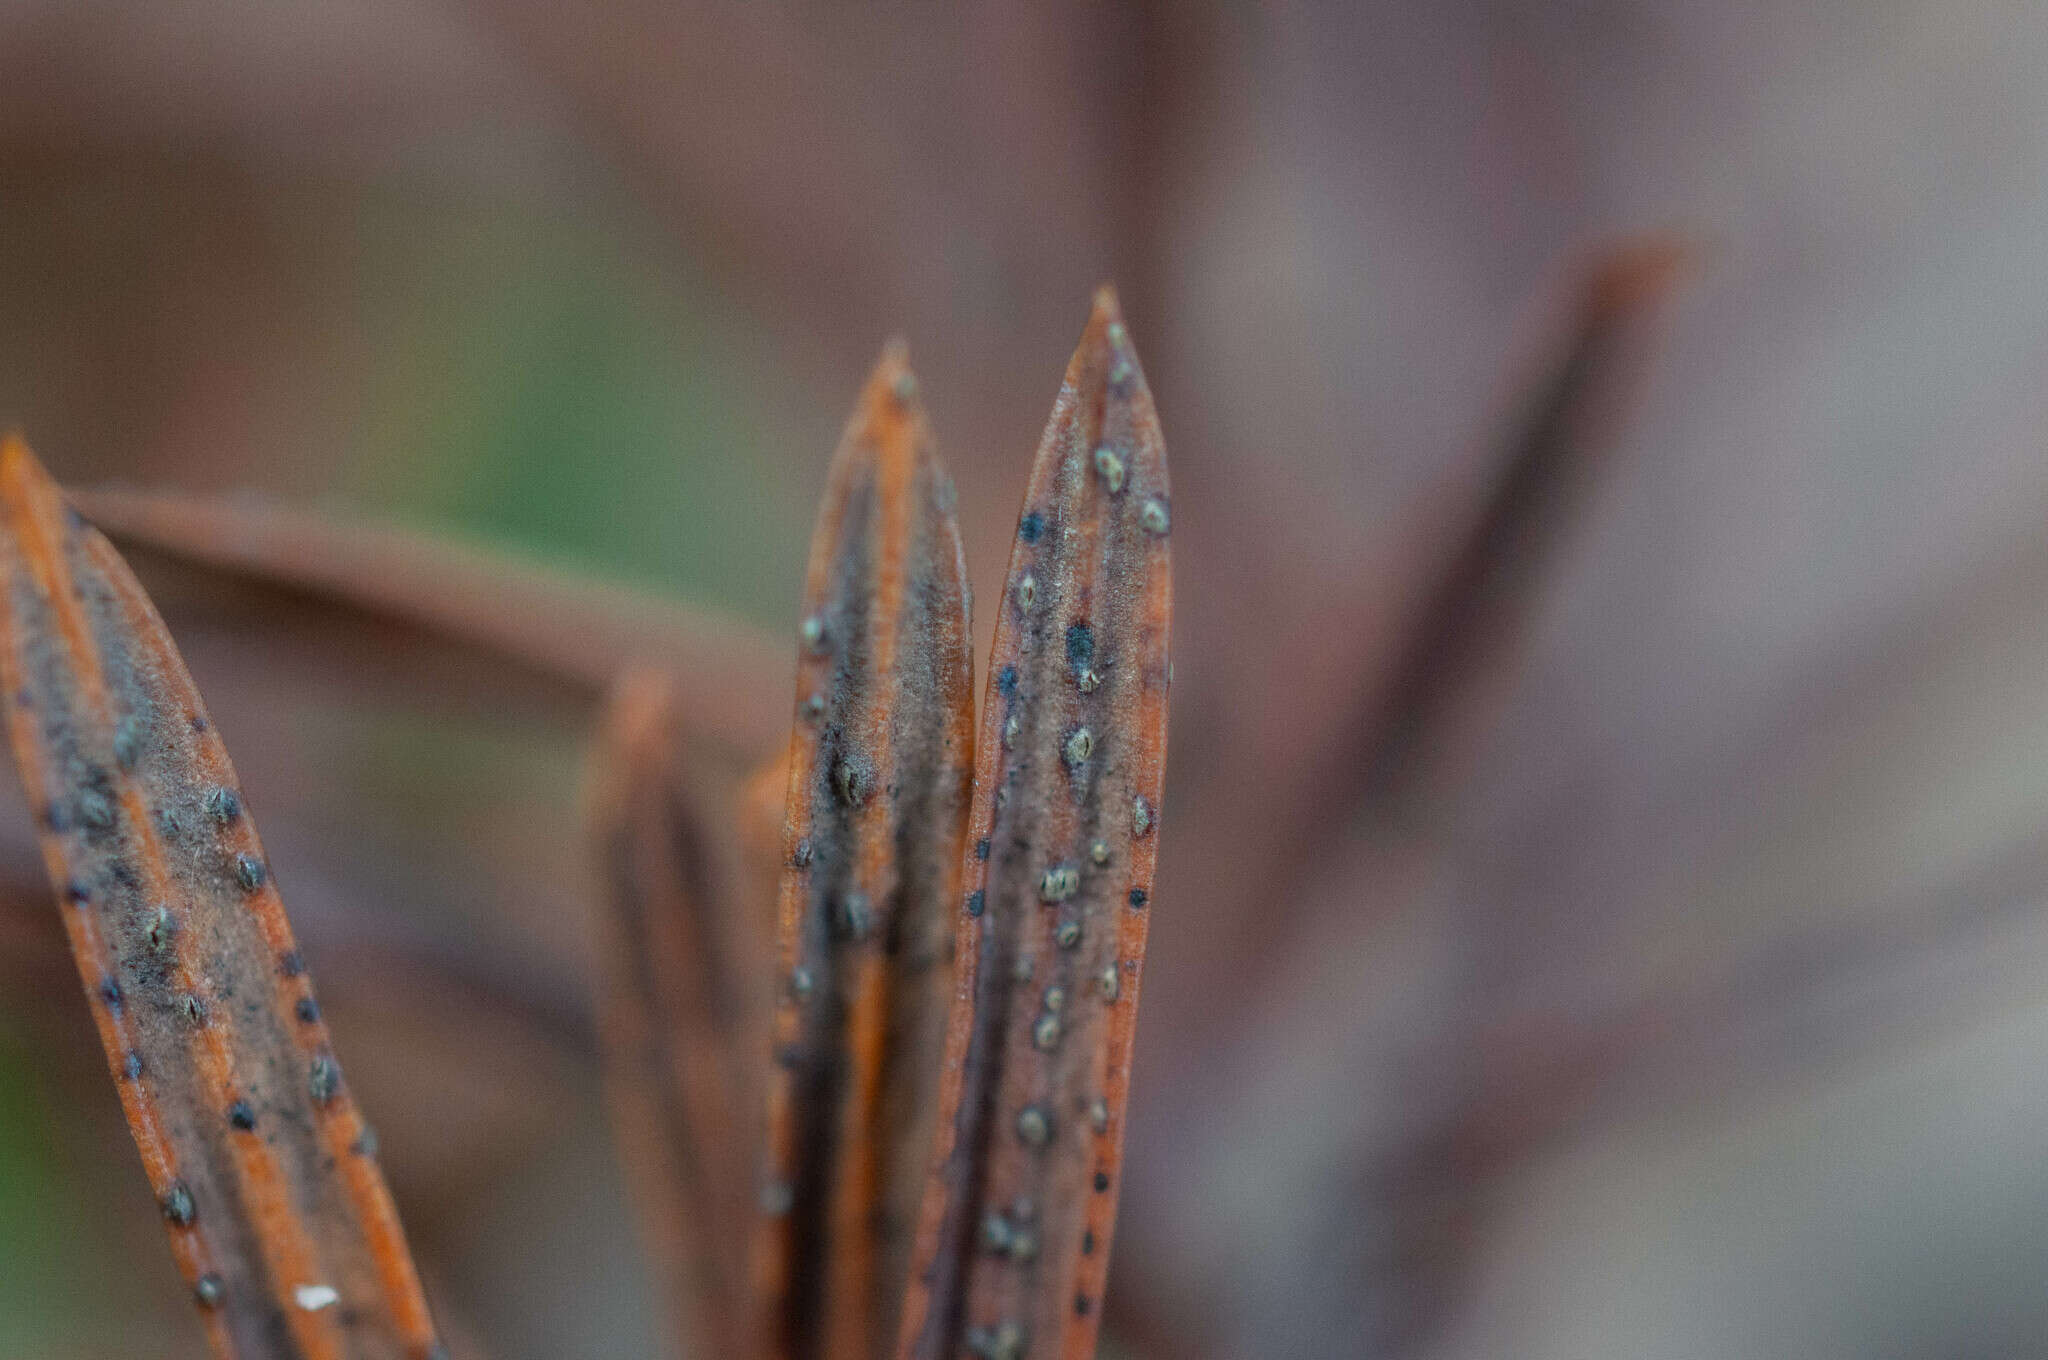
893	384
1106	306
15	458
1636	272
23	480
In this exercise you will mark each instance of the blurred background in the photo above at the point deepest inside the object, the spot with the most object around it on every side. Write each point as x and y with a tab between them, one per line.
1640	953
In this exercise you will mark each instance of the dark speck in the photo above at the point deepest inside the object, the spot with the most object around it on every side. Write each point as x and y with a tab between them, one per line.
1031	526
1080	644
56	818
292	964
198	723
77	891
1101	1181
1080	1305
1006	681
132	1069
1088	1241
308	1010
249	872
977	901
981	848
241	1116
1137	897
110	992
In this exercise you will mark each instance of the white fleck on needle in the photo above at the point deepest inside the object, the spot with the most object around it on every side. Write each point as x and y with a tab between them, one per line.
314	1297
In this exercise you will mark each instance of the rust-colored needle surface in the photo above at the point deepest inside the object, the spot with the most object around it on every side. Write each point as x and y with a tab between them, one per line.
684	1011
877	799
1014	1233
264	1172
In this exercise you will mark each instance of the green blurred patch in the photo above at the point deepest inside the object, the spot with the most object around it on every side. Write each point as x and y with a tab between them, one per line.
537	380
41	1295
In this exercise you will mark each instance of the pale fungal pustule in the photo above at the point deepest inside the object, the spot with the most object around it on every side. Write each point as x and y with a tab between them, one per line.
95	810
323	1079
1080	746
1060	882
1027	592
856	918
223	805
812	632
1109	982
1004	1341
1034	1126
178	1207
1003	1237
1110	465
1141	816
1098	850
853	780
128	740
1153	517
